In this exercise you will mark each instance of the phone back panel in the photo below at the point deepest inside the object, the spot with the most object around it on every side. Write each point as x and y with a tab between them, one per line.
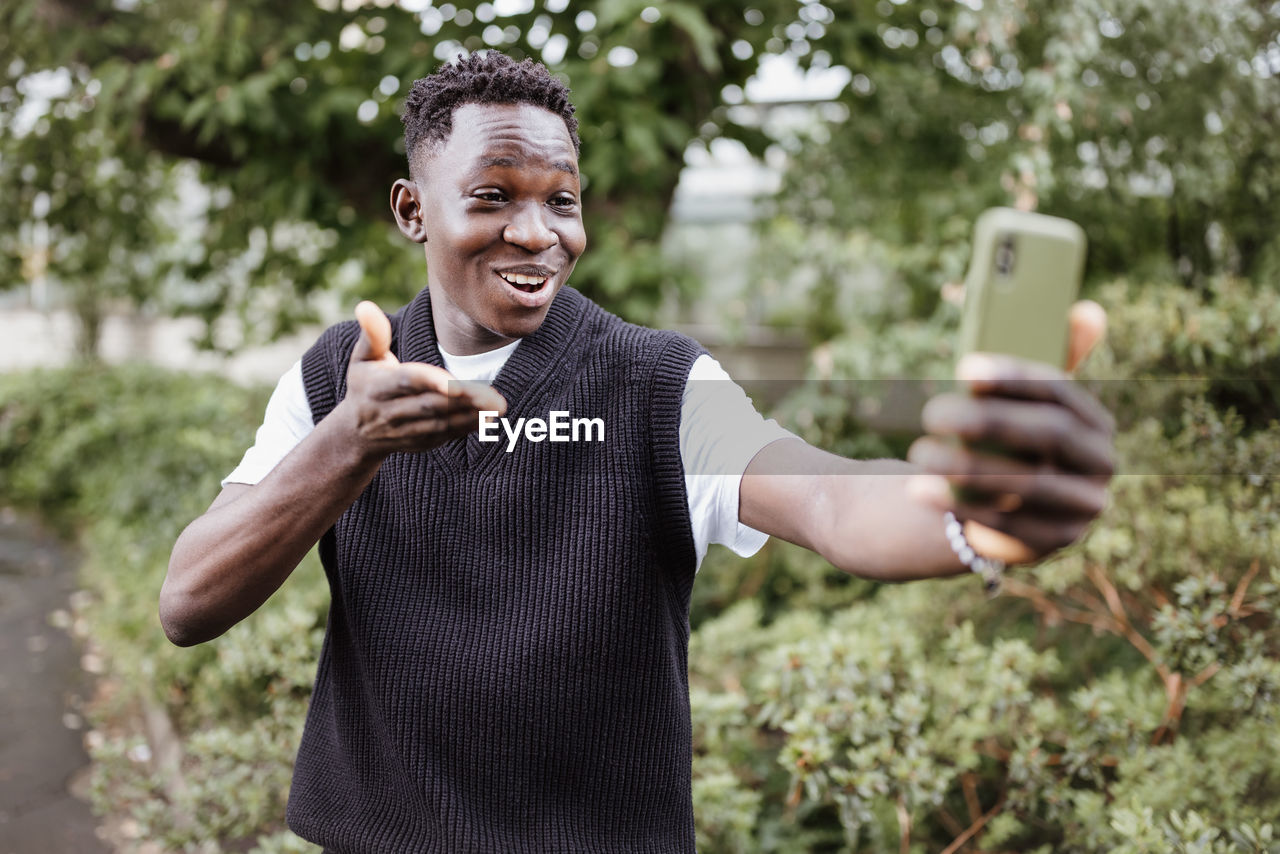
1023	278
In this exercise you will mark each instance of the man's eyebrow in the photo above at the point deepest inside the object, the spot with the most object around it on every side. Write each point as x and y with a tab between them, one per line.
511	163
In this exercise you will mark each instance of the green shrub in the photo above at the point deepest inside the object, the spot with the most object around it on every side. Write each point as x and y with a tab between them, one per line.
126	457
1122	696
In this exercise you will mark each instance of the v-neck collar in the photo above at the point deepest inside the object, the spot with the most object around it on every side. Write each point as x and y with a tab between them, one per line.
530	365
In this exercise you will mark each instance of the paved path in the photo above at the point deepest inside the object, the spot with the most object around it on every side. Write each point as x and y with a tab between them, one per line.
40	679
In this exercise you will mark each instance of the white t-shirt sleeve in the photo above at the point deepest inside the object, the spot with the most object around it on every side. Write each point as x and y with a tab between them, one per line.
286	423
720	433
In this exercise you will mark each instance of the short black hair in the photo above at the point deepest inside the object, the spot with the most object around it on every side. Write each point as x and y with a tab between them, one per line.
481	78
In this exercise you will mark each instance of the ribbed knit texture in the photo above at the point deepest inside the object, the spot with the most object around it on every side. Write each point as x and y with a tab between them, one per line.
505	667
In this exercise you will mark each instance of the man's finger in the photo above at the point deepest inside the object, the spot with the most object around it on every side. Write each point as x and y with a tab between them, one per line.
480	397
375	334
992	375
410	378
429	405
1022	427
1087	323
417	407
1010	484
988	542
1047	535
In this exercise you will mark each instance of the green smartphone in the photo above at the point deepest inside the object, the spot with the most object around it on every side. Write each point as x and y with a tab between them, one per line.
1023	278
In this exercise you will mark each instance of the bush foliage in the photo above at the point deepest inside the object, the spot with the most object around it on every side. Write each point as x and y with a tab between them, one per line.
127	456
1123	696
1120	697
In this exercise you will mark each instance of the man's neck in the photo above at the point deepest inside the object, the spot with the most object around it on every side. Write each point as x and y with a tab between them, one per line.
457	334
455	343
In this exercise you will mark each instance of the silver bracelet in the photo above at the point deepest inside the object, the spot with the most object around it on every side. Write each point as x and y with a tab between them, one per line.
991	569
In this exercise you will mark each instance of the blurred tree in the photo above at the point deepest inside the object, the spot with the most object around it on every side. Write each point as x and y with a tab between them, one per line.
1153	123
82	210
291	112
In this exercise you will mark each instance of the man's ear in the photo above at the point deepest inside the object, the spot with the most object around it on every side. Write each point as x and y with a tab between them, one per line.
406	205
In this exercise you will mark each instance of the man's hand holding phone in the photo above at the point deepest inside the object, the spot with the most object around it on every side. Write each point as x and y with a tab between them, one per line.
1023	458
406	406
1049	481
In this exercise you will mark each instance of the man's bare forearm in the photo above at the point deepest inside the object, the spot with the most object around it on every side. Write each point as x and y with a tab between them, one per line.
232	558
879	530
858	514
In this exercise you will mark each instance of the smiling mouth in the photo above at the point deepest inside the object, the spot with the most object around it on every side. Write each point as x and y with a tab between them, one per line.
528	283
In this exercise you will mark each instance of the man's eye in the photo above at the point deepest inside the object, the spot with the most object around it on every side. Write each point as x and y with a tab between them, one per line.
563	201
491	196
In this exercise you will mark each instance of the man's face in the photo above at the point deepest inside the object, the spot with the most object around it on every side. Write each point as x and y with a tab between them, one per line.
502	218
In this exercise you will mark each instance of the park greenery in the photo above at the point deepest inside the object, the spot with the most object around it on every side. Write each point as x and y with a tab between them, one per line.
197	157
1121	697
231	160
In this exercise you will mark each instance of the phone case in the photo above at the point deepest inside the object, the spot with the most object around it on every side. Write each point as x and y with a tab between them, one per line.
1023	278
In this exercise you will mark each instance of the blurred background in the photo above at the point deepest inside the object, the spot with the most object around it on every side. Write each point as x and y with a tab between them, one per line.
192	189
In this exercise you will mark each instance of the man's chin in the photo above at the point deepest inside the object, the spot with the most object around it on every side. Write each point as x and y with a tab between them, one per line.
525	321
525	326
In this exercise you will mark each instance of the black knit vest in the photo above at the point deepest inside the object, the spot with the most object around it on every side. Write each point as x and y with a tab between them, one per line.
505	666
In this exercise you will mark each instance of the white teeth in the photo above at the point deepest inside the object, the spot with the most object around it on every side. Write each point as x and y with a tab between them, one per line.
519	279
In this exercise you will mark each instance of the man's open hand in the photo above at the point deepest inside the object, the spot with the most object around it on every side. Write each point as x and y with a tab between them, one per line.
1048	480
407	406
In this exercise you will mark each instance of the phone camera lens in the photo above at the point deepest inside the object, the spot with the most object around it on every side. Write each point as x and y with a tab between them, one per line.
1004	255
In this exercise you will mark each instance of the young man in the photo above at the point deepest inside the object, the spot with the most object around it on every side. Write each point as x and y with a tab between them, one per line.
505	662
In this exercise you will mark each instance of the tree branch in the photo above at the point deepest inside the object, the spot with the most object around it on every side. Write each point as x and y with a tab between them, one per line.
1237	599
971	802
904	825
973	828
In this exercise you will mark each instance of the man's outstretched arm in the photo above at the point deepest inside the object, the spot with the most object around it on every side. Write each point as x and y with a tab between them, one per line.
858	514
233	557
883	519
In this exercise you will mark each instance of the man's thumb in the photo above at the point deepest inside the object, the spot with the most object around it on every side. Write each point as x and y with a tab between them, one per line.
376	330
1088	324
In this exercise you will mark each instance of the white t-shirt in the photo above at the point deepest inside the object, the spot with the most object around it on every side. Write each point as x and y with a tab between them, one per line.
714	457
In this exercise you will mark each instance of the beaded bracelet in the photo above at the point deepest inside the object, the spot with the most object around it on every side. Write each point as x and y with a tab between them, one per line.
991	569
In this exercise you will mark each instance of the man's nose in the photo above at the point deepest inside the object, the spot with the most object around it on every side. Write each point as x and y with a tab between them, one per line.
528	229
